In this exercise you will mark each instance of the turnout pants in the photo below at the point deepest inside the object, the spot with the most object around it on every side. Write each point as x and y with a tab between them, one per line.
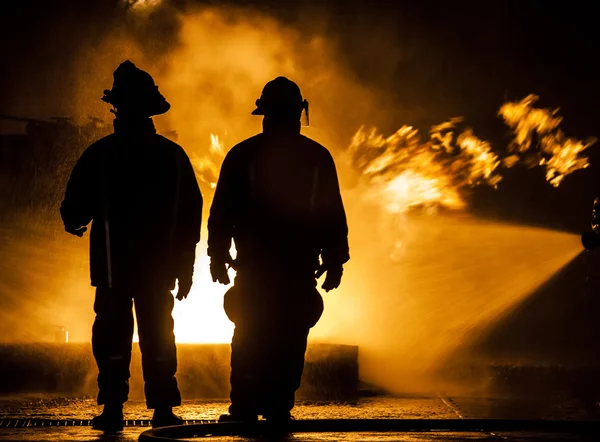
112	336
272	323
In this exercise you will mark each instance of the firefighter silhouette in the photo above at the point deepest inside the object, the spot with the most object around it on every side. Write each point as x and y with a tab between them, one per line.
140	193
278	198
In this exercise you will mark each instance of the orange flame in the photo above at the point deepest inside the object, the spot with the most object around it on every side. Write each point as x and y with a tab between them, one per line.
140	4
204	305
207	166
558	153
400	172
408	173
200	317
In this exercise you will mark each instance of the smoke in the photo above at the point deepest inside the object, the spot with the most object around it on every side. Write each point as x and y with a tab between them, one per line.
447	275
44	283
224	59
211	65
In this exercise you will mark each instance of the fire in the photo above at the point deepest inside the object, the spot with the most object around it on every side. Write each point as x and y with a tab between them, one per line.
400	172
140	4
403	172
559	154
207	166
200	318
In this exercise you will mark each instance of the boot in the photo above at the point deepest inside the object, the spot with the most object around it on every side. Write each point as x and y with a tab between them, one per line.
111	419
279	418
278	423
164	417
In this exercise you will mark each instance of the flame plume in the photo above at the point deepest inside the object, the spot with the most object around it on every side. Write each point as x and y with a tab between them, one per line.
139	4
399	173
403	172
558	153
207	166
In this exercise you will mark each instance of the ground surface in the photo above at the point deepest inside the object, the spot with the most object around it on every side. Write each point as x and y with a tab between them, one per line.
426	407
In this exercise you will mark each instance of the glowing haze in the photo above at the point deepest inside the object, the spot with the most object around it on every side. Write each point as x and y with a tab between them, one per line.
412	279
212	81
418	286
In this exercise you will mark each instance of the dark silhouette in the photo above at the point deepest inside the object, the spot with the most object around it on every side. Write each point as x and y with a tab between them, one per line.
140	193
278	198
591	239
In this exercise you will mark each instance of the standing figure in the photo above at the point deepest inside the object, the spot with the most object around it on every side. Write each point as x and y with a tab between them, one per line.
278	199
140	193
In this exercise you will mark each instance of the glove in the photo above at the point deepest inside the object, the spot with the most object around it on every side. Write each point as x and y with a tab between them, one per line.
185	285
77	231
333	277
218	271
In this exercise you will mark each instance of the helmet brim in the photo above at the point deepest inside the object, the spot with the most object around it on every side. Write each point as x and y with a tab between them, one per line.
151	104
261	111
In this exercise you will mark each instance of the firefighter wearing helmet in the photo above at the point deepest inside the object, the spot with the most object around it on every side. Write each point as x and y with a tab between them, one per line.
278	199
140	193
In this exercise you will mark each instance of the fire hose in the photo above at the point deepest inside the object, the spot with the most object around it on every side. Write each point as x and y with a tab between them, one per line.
263	428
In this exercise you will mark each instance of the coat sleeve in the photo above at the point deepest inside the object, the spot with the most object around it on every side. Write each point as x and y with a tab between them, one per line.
221	221
333	224
78	207
189	218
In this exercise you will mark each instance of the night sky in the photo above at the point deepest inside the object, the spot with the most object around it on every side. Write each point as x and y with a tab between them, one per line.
452	58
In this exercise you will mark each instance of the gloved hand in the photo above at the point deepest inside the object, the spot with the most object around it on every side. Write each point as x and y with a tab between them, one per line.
333	277
185	285
218	271
77	231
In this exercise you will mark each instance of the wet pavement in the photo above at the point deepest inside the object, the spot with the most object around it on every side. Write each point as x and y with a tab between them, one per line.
408	407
